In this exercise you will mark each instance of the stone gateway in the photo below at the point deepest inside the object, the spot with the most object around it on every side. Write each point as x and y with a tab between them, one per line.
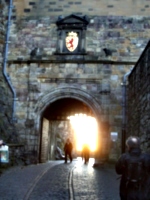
61	58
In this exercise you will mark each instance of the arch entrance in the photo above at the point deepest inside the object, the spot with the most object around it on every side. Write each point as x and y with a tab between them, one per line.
54	108
56	126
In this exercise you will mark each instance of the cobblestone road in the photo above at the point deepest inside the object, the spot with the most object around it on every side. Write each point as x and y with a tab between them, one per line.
95	183
58	181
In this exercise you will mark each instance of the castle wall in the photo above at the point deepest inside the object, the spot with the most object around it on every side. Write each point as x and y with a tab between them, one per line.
123	28
6	97
95	7
139	100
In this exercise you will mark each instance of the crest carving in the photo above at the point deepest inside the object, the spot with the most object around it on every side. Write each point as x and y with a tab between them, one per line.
71	35
72	41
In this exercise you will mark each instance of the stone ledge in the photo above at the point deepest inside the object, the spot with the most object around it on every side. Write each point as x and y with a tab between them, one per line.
82	61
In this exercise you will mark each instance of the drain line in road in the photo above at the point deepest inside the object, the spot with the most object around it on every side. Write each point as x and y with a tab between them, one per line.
71	184
36	181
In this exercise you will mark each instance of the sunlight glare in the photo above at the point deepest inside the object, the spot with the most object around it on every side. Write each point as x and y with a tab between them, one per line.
85	128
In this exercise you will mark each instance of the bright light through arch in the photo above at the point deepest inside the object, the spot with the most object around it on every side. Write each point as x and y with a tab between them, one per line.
85	128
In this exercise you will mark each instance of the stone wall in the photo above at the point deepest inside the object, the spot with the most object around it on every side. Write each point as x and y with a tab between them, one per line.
34	81
115	39
139	100
59	7
124	37
7	127
6	96
100	75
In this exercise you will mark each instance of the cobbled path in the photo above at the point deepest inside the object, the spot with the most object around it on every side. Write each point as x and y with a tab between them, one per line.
54	184
95	183
58	181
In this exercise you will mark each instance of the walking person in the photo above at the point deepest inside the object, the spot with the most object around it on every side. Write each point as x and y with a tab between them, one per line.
86	153
68	150
134	168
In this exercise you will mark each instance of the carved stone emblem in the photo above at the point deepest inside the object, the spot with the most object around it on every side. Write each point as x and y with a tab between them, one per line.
72	41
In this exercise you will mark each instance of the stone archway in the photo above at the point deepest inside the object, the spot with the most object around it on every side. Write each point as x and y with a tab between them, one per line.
66	92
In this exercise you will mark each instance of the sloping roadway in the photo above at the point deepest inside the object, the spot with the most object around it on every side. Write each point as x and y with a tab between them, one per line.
58	181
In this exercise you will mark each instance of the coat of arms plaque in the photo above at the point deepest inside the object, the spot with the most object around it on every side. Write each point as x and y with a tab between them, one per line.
72	41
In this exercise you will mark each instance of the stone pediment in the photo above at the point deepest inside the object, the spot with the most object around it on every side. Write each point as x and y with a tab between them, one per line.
72	20
71	34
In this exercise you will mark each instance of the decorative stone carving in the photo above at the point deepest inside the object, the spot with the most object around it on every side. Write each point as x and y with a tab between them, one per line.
71	35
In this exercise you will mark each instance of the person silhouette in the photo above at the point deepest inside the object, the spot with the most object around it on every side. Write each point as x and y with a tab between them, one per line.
137	187
86	153
68	150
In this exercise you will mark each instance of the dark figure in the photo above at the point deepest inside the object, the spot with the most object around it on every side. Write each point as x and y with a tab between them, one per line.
108	52
68	150
33	53
134	168
86	153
